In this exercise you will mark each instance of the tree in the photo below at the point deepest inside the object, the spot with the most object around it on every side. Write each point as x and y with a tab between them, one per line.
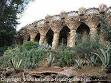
9	9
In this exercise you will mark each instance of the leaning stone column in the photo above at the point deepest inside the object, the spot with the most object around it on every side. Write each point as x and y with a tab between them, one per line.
72	38
55	40
25	39
56	26
32	32
92	22
42	39
32	37
93	33
73	23
43	28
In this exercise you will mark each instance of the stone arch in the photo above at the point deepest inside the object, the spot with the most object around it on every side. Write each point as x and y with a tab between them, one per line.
64	35
37	37
19	40
98	28
28	39
82	33
49	37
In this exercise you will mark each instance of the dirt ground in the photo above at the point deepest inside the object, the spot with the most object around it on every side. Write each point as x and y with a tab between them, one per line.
54	74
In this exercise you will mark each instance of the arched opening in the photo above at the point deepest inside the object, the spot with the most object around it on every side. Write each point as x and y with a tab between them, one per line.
64	34
98	29
49	37
28	39
82	33
37	38
19	40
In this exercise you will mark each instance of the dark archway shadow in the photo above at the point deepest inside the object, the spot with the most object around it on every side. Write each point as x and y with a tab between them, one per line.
28	38
82	33
49	37
64	33
37	38
19	40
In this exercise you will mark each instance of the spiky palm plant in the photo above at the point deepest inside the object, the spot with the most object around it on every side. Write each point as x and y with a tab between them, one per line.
50	60
104	56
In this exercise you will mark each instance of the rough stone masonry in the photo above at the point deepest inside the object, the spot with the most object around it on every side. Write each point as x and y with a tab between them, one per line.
68	28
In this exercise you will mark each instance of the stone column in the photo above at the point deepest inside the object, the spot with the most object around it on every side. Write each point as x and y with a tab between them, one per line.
56	26
32	37
72	23
72	38
42	39
92	22
25	38
43	31
93	33
55	40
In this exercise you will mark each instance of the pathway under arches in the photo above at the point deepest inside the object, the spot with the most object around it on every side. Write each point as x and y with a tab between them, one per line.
82	33
28	38
37	38
64	34
49	37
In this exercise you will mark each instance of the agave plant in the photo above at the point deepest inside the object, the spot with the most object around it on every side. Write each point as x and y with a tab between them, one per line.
104	56
16	64
93	60
50	59
78	63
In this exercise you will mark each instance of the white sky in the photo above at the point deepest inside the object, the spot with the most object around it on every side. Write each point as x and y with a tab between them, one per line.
38	9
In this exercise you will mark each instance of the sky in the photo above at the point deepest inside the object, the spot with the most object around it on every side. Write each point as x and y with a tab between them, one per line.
38	9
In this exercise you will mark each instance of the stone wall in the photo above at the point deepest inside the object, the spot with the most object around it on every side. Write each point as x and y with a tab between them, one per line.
72	20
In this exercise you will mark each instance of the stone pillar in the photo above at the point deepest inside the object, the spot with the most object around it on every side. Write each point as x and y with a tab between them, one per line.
55	40
72	23
92	22
56	26
43	31
72	38
32	37
25	38
93	33
42	39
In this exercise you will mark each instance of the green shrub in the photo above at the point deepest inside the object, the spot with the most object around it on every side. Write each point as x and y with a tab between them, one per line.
104	55
25	56
63	57
2	49
87	47
29	45
29	54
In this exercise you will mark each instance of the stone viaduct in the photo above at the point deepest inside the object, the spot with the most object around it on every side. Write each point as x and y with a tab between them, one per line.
67	28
